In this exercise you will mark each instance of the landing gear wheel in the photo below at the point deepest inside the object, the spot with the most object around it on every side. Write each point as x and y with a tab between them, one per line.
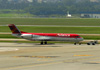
96	42
79	43
45	42
88	43
93	43
42	43
74	43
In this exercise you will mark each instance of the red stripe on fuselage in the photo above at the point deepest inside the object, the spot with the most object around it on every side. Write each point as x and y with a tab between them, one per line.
56	35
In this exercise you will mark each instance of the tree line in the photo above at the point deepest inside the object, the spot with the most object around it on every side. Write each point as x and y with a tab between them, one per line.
50	8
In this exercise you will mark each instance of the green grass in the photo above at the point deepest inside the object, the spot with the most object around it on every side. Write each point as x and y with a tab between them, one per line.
79	30
91	37
76	30
6	36
15	15
50	21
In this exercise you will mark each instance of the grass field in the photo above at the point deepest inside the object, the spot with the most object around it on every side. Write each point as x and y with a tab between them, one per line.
6	36
37	29
15	15
51	21
91	37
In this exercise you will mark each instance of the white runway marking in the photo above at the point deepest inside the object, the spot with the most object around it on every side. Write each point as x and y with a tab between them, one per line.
4	49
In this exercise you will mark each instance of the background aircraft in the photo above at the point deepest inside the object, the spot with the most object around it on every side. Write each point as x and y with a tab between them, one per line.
44	37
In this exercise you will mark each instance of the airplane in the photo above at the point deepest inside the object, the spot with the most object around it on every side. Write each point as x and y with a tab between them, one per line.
69	15
44	37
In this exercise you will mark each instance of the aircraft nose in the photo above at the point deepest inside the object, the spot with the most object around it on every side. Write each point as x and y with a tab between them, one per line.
81	39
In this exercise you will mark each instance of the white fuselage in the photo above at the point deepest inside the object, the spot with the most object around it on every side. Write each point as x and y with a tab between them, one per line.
47	38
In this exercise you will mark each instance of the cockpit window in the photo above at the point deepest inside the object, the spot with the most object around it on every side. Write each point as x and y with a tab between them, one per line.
77	36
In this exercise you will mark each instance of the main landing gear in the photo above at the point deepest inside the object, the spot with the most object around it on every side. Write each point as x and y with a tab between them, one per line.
43	42
77	43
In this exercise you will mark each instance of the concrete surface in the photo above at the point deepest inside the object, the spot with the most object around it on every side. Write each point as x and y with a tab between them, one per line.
16	40
28	56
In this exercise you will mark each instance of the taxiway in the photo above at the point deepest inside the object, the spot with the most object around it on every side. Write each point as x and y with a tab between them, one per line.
28	56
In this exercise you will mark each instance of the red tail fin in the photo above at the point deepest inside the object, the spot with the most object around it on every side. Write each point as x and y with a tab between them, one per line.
14	29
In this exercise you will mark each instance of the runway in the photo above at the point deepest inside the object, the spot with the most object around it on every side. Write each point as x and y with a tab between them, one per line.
28	56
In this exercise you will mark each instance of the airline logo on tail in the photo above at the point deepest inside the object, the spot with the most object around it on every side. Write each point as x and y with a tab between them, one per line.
14	29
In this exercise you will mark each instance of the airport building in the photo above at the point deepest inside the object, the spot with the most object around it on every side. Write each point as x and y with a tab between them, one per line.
90	15
88	0
19	1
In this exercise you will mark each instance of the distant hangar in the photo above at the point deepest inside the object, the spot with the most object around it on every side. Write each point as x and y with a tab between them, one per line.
90	15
